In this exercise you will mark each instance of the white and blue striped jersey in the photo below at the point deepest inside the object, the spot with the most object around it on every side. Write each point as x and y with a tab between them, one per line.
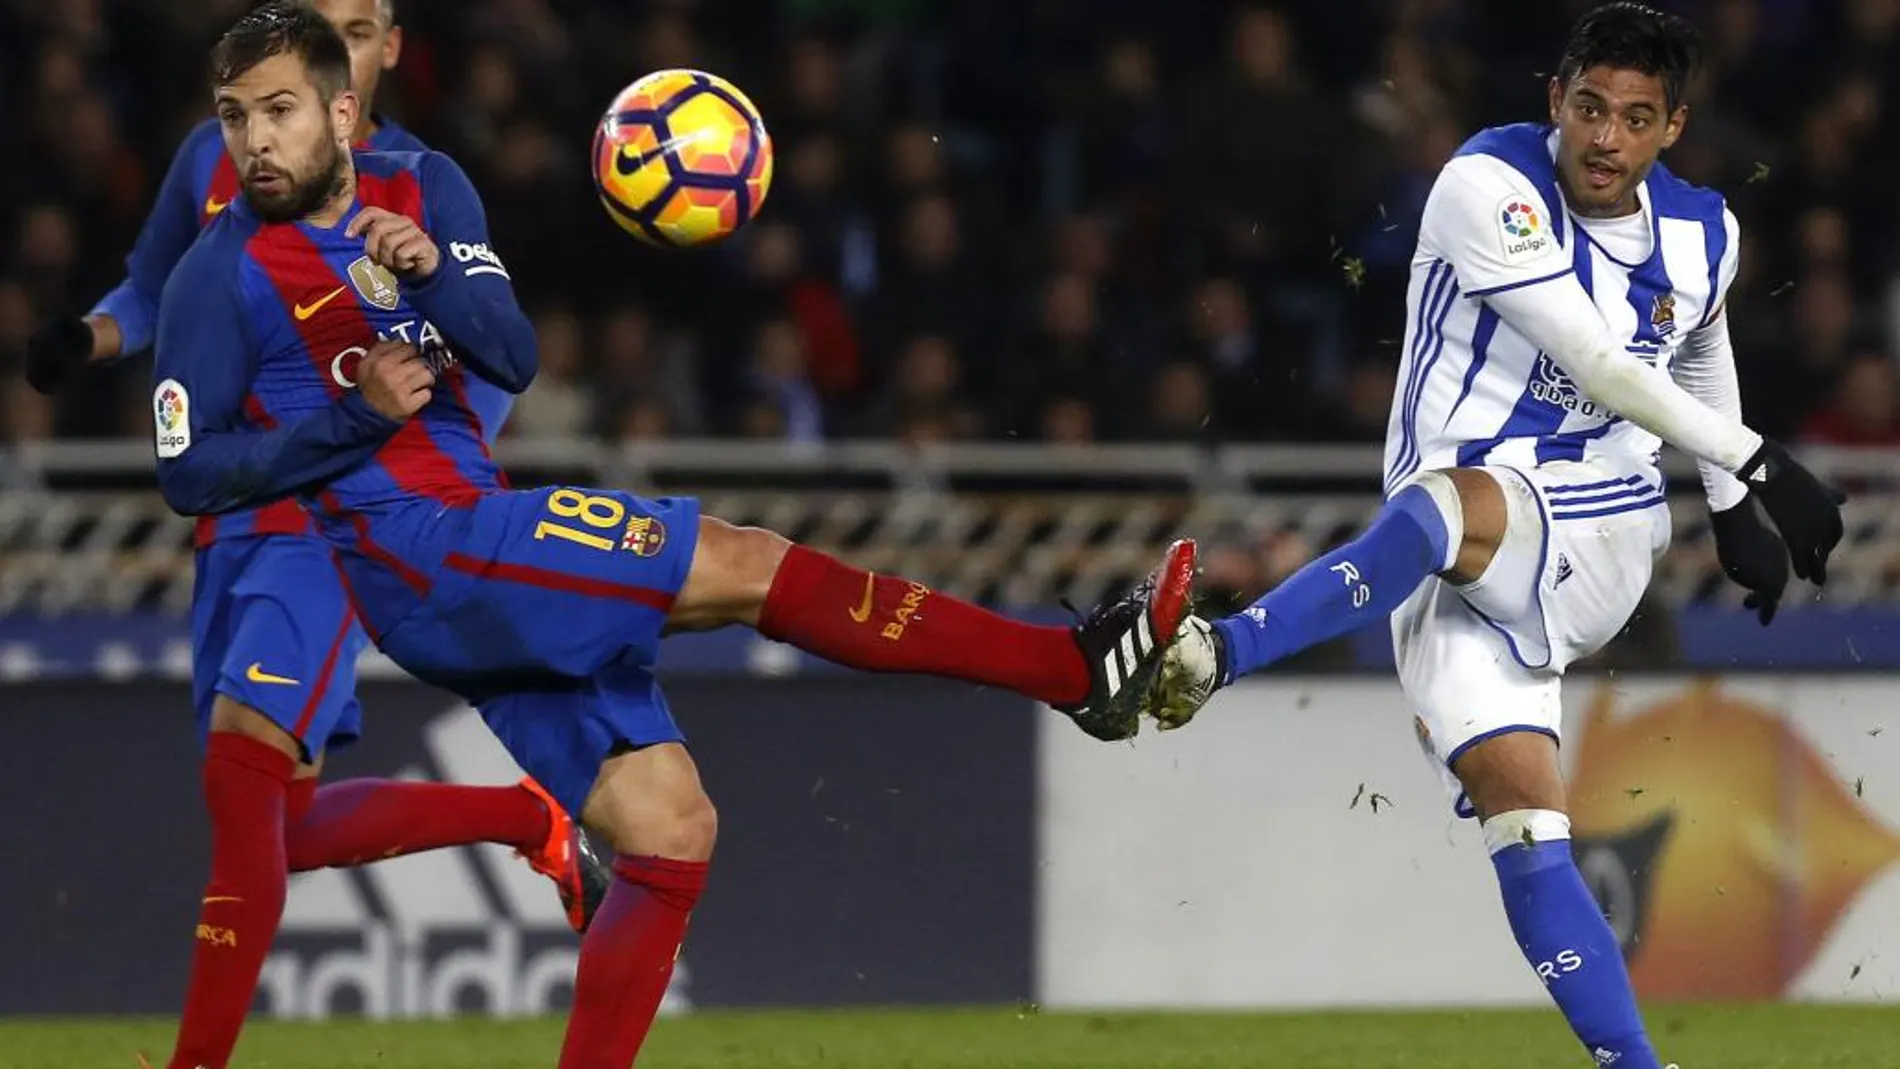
1472	390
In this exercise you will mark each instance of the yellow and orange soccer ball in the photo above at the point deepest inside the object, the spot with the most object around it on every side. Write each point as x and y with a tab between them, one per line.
681	158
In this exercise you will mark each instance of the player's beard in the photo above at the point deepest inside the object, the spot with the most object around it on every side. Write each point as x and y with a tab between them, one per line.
307	197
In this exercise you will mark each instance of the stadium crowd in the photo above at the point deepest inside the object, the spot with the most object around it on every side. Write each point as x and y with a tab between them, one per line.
1067	220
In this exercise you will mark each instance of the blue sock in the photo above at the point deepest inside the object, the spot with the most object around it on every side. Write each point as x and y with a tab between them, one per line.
1361	581
1563	935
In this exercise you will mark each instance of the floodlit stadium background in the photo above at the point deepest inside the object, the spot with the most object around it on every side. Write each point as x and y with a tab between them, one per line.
1039	287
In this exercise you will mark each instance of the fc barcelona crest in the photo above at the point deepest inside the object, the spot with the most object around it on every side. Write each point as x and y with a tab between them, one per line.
645	537
1662	314
375	283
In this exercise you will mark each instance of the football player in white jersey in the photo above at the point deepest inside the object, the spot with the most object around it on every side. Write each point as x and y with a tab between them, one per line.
1565	319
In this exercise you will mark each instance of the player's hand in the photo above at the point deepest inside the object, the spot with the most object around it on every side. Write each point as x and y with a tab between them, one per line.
1752	555
396	242
57	349
1806	510
395	379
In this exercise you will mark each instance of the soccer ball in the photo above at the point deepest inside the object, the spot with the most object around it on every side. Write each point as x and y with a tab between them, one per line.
681	158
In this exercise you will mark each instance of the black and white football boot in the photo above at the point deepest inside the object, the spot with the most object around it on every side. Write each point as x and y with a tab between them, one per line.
1123	641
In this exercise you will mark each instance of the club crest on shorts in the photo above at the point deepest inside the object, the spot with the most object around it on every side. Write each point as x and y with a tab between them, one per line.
1662	314
645	537
375	283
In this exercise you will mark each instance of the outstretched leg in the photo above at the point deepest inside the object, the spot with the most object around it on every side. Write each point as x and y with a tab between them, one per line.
1446	522
1094	672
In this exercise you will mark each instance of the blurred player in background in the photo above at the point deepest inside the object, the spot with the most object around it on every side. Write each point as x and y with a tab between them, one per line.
325	337
1562	277
273	634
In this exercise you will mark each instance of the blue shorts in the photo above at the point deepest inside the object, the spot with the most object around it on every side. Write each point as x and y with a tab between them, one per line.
546	615
272	630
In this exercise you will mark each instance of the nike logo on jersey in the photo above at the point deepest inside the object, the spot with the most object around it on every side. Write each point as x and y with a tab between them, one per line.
862	613
305	311
256	674
213	205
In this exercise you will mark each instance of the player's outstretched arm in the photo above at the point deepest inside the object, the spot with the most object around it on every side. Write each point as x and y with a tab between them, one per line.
209	460
1471	219
453	277
125	320
1559	318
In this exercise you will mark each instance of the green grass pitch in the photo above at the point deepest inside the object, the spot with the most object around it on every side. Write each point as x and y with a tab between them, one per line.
1738	1037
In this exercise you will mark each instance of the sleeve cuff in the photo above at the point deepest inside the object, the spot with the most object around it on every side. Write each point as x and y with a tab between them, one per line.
369	423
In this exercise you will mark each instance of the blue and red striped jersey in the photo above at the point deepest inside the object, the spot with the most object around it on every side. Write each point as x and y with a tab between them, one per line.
262	326
200	184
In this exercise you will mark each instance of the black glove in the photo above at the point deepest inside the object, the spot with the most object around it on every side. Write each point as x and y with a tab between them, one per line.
1806	510
55	351
1752	555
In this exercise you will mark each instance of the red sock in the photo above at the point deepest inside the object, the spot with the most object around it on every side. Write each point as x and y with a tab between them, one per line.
885	623
362	820
627	958
245	782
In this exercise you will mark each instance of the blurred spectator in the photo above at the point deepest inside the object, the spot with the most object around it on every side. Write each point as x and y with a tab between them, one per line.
778	382
1231	577
558	404
643	420
638	361
1068	420
1182	403
1783	382
1065	196
1865	409
925	394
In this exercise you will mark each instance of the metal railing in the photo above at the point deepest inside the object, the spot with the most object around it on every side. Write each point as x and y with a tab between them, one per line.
82	529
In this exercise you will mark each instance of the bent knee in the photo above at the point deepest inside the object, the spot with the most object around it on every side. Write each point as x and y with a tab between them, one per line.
1484	517
730	578
650	802
684	827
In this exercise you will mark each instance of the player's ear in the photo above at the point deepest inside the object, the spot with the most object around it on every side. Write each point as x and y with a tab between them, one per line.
345	108
392	48
1556	98
1677	120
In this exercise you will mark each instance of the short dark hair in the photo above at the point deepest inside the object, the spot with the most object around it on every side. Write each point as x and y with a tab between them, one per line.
1631	36
284	27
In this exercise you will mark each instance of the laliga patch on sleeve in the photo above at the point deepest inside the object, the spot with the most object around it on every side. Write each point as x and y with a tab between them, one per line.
1523	231
171	416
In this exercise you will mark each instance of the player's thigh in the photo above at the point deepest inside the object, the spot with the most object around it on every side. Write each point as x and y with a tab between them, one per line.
1510	771
290	643
1464	683
1574	557
565	581
1600	566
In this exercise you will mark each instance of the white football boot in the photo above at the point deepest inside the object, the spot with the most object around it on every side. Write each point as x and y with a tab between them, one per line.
1191	671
